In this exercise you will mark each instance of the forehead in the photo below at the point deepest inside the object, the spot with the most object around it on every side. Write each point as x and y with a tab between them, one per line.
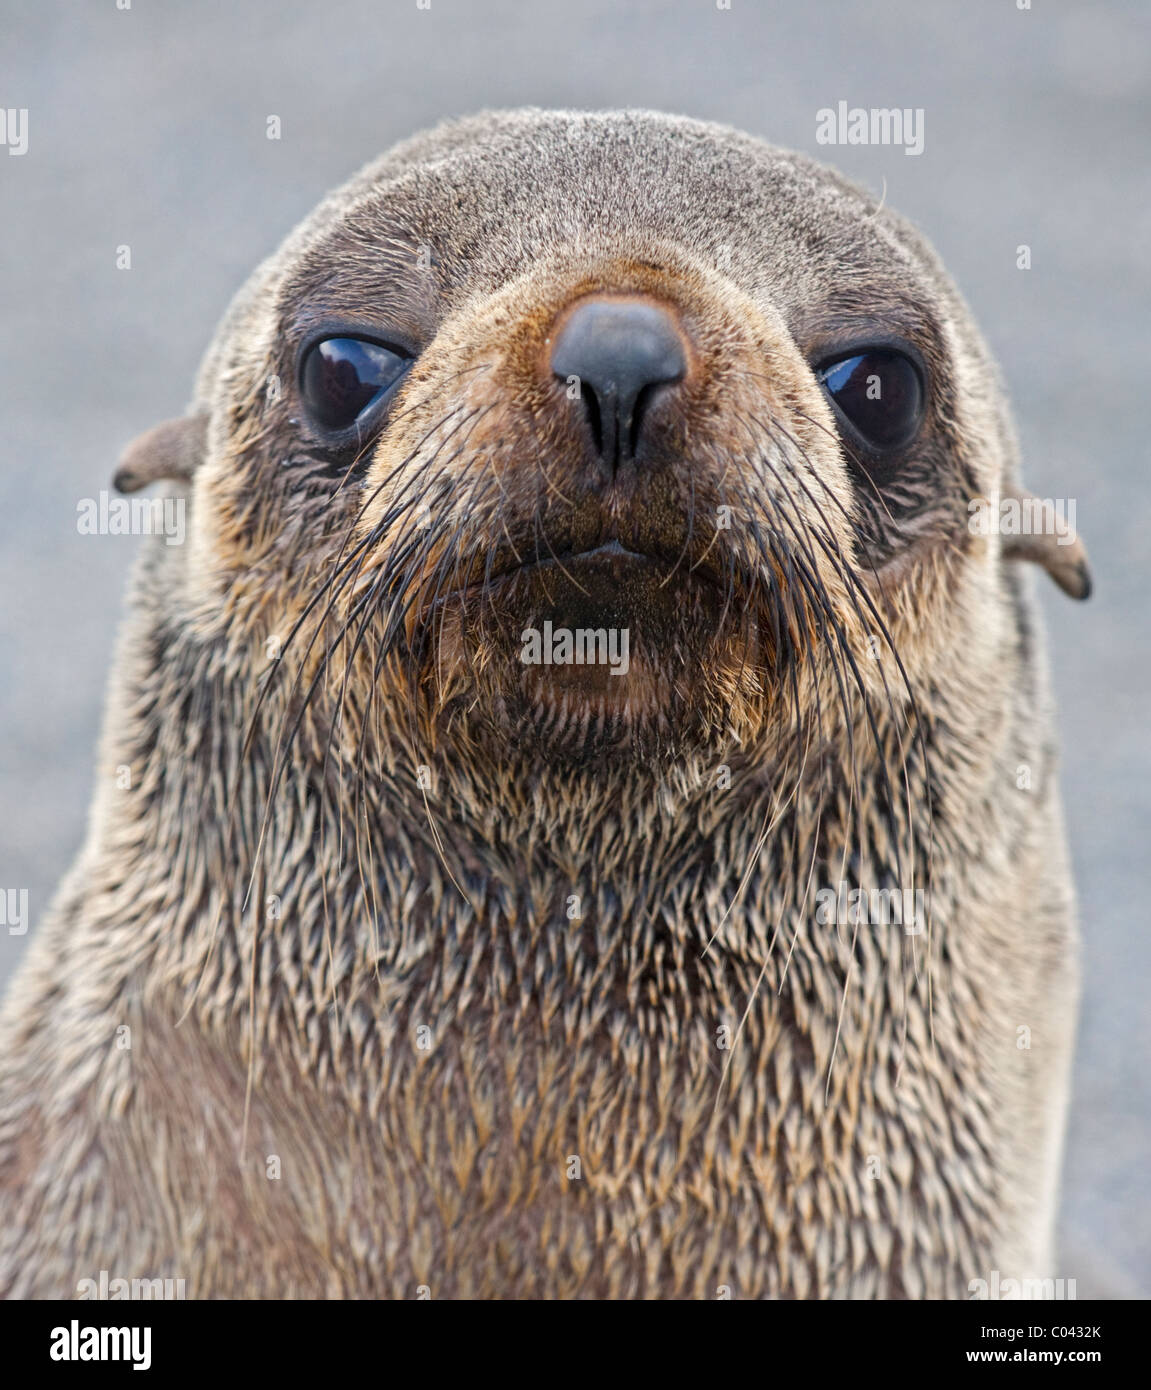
483	202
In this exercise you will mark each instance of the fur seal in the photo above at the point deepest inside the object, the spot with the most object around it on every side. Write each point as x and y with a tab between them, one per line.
410	953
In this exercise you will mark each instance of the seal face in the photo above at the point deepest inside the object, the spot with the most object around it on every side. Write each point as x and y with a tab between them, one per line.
580	595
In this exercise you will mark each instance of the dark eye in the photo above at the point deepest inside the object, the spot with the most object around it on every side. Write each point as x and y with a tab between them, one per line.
879	392
341	377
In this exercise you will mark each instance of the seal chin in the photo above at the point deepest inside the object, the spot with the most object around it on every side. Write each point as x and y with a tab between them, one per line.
596	631
579	701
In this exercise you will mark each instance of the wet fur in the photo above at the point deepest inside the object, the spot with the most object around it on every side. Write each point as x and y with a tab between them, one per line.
277	905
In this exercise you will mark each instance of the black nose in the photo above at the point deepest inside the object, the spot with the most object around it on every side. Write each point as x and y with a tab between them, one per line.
621	350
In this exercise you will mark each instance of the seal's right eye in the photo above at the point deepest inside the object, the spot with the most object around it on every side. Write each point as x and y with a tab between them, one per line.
341	377
879	392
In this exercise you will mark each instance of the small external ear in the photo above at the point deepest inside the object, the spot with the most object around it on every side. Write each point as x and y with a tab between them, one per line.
1053	544
171	450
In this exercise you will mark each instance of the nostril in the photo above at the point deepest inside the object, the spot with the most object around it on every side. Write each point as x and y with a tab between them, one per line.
621	349
643	400
594	418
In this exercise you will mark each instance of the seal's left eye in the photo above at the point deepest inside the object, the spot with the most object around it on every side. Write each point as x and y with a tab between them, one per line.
341	377
879	392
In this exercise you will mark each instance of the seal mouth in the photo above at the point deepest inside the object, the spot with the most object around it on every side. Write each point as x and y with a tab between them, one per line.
614	548
595	624
595	636
668	564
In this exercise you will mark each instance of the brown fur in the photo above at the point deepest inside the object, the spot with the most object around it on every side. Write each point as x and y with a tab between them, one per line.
379	830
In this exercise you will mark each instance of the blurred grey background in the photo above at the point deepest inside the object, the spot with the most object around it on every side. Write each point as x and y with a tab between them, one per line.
147	128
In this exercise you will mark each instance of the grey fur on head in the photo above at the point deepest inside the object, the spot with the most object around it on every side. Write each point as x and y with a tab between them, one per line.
390	961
